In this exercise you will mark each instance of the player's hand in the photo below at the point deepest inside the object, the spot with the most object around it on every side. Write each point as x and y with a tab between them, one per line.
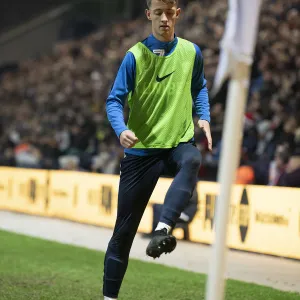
204	125
128	139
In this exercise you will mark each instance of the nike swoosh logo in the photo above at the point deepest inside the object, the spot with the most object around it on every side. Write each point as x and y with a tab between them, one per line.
160	79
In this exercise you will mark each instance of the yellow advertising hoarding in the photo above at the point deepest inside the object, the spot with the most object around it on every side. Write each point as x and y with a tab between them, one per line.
63	193
158	195
97	200
23	190
88	198
6	188
269	221
262	219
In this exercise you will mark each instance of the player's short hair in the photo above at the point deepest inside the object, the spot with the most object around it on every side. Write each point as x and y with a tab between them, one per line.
149	2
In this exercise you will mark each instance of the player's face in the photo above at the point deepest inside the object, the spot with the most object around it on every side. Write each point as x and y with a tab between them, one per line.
163	16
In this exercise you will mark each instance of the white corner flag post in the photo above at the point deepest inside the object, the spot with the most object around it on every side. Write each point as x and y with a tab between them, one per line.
236	58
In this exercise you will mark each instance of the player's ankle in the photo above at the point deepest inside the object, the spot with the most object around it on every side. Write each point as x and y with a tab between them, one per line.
162	225
108	298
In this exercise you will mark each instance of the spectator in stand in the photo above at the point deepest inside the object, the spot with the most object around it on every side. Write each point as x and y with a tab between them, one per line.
278	166
291	176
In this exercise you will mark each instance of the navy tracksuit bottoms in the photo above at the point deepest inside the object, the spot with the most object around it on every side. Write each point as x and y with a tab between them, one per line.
139	175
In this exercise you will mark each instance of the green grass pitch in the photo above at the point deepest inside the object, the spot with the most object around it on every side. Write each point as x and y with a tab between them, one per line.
36	269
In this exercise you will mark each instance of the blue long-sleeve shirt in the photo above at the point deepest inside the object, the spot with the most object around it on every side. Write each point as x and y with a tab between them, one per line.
124	84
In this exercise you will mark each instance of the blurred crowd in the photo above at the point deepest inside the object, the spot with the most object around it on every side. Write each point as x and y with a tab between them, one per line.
53	107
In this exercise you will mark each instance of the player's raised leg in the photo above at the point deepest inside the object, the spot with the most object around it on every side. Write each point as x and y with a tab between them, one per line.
186	160
139	176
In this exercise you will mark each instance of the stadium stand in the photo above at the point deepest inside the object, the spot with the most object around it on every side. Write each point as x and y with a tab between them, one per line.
53	107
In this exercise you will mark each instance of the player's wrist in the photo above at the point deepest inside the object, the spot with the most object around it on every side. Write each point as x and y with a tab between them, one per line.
205	119
121	131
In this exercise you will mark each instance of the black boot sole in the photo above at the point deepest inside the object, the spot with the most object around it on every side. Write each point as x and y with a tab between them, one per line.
166	245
